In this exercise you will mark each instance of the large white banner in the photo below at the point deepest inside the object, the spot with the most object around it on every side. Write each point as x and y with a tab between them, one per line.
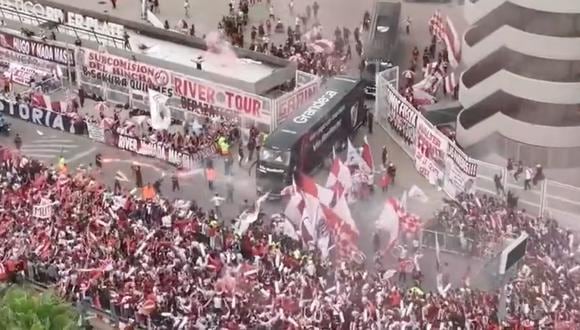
96	132
430	152
196	95
401	115
23	75
460	172
160	115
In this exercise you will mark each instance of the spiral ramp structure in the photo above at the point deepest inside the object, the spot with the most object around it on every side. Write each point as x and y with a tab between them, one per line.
521	90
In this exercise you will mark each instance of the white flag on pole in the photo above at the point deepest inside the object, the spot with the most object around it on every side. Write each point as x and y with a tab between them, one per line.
160	114
418	193
250	216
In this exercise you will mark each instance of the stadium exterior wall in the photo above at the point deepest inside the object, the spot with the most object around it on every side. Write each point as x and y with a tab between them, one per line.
556	48
475	10
512	137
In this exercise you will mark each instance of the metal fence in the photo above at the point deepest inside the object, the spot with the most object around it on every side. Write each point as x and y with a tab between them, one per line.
456	244
548	198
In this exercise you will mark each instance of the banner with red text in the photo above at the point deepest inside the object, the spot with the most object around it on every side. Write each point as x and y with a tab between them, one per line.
288	103
460	172
430	151
196	95
209	98
38	49
23	75
165	153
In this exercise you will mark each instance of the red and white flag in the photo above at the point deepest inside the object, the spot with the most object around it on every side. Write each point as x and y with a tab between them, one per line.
325	205
449	83
40	100
369	167
309	219
363	161
347	226
309	187
444	30
339	179
295	208
341	226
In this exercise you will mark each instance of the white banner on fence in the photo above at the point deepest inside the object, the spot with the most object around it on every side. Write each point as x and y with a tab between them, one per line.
96	132
430	152
160	115
460	172
43	210
400	114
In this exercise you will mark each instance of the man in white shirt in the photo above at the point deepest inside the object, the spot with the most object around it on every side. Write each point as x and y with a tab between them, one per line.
186	7
217	202
528	179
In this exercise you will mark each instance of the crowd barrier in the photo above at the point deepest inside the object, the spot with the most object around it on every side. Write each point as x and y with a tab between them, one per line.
155	150
456	244
443	163
42	117
59	121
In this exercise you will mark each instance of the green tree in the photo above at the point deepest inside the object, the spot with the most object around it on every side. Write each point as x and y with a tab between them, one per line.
25	309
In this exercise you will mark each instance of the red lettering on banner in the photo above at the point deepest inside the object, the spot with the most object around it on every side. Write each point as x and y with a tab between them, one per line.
194	91
243	103
178	85
292	102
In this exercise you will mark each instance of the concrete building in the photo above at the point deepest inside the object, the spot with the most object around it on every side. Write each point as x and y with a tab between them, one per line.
521	91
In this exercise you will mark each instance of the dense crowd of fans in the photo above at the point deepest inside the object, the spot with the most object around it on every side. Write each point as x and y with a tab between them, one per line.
192	137
306	47
184	267
545	293
301	39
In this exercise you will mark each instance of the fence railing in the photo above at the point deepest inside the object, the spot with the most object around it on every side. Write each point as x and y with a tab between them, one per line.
457	244
547	197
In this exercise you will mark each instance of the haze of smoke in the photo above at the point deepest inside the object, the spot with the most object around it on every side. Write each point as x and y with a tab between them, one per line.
220	49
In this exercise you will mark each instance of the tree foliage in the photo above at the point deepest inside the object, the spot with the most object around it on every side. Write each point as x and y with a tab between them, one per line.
25	309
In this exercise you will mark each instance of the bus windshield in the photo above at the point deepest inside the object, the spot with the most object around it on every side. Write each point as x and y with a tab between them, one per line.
275	157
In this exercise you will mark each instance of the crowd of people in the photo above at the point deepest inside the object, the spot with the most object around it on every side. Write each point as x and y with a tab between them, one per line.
304	43
175	265
188	136
300	43
545	293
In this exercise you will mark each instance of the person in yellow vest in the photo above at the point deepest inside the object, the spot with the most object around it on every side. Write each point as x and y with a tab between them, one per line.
259	143
264	136
224	146
61	162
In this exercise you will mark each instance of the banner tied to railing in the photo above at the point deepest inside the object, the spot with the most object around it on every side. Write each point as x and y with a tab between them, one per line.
437	158
160	151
